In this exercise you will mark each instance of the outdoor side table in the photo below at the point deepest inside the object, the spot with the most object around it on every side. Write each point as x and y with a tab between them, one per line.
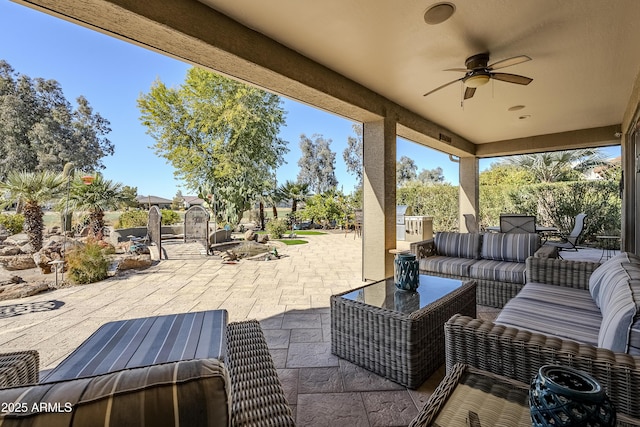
398	334
609	246
471	397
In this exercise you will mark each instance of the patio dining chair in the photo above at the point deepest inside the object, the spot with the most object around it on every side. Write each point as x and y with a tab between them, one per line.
471	223
514	223
569	242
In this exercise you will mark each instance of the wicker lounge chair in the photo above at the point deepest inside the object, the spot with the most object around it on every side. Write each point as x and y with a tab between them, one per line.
191	392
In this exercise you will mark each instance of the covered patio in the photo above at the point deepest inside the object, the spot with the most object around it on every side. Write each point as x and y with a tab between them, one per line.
373	63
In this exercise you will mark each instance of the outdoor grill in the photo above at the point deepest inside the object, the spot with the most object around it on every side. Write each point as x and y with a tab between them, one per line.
401	212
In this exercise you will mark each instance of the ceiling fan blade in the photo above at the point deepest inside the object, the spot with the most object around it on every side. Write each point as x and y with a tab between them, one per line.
441	87
469	92
462	70
509	62
511	78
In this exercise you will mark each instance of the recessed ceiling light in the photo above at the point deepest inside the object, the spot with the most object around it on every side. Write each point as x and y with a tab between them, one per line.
516	107
438	13
525	117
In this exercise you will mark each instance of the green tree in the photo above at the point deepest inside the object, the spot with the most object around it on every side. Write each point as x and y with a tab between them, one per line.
317	163
324	208
129	196
31	190
557	166
406	171
294	191
41	130
178	201
431	176
353	154
96	198
506	174
220	135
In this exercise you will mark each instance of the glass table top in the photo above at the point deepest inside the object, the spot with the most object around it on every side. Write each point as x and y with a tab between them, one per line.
384	294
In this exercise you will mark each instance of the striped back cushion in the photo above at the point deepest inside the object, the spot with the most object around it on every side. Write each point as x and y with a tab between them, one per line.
608	271
459	245
619	300
186	393
514	247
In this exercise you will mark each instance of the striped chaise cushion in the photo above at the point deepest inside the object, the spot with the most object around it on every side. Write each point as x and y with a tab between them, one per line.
554	310
459	245
516	247
190	393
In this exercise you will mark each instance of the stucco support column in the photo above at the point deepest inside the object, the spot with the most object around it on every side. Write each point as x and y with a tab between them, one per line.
379	223
469	190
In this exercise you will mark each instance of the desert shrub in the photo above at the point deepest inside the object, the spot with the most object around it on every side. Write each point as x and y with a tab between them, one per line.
276	228
12	222
133	219
87	264
170	217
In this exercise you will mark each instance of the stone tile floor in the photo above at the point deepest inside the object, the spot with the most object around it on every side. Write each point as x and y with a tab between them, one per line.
289	296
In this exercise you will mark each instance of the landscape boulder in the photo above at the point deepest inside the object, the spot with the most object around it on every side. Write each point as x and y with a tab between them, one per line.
250	235
4	233
9	250
133	261
19	239
17	262
15	287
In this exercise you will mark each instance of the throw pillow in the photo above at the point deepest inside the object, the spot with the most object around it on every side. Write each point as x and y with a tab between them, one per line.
512	247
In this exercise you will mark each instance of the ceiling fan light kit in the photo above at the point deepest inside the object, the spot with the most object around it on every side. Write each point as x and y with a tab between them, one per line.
478	72
476	80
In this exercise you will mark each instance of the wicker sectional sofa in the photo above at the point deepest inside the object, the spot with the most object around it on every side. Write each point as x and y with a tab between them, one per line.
580	314
496	261
242	391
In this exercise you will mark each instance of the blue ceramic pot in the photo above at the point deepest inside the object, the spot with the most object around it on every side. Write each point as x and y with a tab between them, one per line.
405	272
562	396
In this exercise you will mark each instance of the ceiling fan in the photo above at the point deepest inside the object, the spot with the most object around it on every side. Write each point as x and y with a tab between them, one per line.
479	73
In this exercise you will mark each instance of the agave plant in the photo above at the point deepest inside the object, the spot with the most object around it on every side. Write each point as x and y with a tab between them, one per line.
95	196
31	190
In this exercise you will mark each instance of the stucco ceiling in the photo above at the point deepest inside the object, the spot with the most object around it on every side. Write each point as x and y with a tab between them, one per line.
586	56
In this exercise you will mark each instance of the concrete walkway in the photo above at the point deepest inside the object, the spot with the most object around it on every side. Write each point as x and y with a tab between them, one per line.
289	296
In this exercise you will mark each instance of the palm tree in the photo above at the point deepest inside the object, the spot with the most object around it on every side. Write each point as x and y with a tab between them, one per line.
96	197
294	191
31	190
558	165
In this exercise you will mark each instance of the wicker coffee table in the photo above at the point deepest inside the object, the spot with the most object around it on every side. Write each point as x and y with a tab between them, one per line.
398	334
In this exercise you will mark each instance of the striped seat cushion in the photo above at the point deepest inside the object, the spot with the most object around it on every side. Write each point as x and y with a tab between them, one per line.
460	245
516	247
499	271
446	265
554	310
186	393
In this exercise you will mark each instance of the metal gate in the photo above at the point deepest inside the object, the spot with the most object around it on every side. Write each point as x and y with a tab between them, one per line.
196	226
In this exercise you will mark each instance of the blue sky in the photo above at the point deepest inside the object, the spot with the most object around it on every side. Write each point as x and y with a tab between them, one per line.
111	74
